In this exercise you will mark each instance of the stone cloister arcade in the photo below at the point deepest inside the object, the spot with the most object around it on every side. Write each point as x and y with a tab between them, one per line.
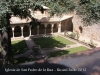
24	29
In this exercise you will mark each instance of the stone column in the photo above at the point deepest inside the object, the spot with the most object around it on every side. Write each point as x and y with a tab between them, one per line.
30	31
22	31
52	28
13	31
59	27
45	28
37	30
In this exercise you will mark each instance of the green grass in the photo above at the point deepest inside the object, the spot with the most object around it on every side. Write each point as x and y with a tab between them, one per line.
69	51
19	46
52	42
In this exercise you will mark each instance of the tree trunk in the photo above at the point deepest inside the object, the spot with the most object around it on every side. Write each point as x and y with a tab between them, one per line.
6	44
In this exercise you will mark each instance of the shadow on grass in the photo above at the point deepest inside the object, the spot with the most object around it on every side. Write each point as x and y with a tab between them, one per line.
58	53
68	51
19	47
52	42
48	42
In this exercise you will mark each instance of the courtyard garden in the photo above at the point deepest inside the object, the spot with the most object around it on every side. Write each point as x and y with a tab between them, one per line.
20	46
58	42
52	42
68	51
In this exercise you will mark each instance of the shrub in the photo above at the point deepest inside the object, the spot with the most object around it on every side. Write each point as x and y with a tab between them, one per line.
73	35
77	35
92	44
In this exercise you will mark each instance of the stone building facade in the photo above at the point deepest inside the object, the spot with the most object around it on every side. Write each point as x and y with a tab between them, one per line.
22	27
92	32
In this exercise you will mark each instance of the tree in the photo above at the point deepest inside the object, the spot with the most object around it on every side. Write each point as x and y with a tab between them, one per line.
89	13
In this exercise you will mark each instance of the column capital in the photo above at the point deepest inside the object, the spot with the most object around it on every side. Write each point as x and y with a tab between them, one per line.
38	27
30	26
22	27
59	24
59	27
52	25
45	25
12	28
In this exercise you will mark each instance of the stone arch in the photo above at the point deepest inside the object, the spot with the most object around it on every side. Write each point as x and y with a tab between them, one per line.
34	30
67	25
48	29
55	28
81	29
41	29
17	31
26	30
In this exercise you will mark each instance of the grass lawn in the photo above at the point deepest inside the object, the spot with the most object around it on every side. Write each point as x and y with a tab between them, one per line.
19	46
52	42
69	51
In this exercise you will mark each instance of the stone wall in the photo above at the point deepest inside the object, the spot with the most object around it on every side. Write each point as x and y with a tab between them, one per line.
67	25
92	32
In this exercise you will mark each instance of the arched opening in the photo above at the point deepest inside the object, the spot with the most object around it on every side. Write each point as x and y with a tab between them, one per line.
34	30
81	29
48	29
11	33
41	29
26	30
17	31
55	28
67	25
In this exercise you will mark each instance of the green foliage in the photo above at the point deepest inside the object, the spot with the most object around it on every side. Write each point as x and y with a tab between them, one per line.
59	7
65	32
92	44
77	35
89	10
72	35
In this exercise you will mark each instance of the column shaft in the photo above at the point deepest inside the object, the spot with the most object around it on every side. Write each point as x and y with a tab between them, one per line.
52	28
59	27
13	31
37	30
45	28
30	31
22	31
